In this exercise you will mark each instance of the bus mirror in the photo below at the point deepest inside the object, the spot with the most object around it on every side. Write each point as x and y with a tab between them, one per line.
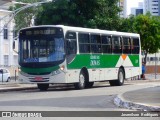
13	44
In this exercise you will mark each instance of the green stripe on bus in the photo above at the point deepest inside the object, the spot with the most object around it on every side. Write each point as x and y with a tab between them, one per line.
39	70
135	60
93	61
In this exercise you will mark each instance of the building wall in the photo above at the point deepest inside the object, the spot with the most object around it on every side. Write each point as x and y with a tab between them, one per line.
153	6
152	63
121	4
8	58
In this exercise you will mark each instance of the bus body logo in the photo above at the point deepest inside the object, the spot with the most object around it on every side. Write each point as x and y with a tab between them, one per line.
94	60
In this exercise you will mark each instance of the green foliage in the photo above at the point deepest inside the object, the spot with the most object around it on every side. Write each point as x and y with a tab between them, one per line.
126	24
24	17
102	14
149	29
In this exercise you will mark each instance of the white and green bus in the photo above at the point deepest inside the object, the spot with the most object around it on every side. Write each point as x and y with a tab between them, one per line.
52	54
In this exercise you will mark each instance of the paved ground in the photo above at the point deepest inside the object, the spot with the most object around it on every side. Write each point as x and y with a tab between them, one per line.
147	99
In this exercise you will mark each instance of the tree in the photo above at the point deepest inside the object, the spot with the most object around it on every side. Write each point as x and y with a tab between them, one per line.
149	29
102	14
126	24
24	17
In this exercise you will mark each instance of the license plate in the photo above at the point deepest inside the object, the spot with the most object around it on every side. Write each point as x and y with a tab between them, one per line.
38	78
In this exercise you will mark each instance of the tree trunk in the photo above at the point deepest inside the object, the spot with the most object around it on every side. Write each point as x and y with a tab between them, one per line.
145	57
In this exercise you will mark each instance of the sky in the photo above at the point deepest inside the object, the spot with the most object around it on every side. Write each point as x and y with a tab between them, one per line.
131	4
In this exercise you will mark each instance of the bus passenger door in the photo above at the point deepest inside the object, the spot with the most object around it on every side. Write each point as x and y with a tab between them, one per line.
71	46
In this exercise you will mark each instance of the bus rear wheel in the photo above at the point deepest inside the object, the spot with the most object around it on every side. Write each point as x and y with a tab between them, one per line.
120	79
43	87
82	81
89	84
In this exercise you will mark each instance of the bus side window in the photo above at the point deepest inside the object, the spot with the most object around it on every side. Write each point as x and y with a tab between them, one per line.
95	44
84	42
116	44
135	46
106	44
126	45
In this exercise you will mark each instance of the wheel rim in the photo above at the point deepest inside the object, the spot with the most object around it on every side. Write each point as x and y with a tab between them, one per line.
121	77
81	80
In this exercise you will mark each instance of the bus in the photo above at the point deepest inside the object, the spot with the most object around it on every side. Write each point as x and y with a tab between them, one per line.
55	54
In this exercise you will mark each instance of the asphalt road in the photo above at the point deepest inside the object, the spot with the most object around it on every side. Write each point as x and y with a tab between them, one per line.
100	97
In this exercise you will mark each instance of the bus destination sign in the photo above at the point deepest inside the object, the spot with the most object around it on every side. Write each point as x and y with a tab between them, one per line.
40	32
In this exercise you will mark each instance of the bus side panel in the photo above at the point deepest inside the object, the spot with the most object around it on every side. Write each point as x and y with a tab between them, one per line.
128	72
94	74
103	74
72	76
136	71
110	73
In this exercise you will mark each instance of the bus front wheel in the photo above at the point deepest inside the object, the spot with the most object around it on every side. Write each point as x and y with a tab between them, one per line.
43	87
82	81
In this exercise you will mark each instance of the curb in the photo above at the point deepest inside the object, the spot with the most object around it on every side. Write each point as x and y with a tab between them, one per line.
121	102
17	88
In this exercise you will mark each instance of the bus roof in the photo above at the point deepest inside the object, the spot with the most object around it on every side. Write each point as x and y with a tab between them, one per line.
90	30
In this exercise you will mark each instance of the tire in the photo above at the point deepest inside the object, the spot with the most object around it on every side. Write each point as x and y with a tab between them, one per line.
120	79
82	81
112	83
43	87
89	84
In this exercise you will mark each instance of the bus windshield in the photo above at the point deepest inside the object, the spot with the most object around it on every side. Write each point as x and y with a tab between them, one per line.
41	47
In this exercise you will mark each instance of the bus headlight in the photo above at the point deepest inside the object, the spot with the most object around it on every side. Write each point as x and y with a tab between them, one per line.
62	67
19	69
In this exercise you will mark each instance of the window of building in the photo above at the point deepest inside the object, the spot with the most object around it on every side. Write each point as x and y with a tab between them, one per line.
5	33
6	60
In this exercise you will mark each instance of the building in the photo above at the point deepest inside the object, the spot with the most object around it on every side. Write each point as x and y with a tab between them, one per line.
8	58
152	6
131	9
121	5
137	10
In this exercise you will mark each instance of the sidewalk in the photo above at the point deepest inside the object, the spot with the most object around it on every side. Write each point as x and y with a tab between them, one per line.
147	99
15	86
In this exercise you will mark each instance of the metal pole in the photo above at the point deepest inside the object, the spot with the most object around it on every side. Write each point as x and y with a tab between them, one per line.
15	75
2	76
155	67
